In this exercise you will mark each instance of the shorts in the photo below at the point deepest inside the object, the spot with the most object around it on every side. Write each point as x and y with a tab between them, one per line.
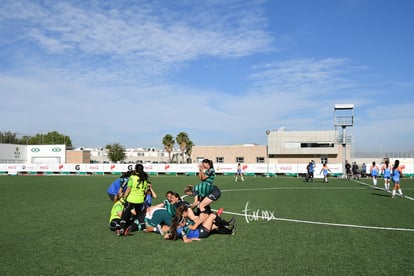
215	194
115	224
203	232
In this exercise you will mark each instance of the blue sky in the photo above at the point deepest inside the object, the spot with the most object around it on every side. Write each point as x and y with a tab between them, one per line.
223	71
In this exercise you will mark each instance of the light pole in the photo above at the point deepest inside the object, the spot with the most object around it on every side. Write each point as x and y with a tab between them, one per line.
267	152
344	116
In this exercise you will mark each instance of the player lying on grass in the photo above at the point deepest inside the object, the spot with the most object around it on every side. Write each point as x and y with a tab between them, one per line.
157	218
182	227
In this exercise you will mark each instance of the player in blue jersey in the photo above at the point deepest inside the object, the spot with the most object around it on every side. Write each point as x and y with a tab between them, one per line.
396	178
310	169
239	172
374	173
118	187
149	195
325	170
386	172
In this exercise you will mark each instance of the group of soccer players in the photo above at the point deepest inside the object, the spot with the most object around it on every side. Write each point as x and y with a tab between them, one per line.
174	218
389	172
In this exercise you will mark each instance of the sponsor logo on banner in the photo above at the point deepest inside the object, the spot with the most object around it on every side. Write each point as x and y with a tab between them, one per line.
35	149
56	149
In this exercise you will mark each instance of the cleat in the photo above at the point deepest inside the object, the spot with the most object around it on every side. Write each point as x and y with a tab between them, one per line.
128	231
219	211
121	232
230	226
233	230
232	221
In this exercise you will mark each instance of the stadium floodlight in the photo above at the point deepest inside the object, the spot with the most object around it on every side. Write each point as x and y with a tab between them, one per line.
344	117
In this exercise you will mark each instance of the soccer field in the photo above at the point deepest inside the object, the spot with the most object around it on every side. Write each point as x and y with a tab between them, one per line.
58	225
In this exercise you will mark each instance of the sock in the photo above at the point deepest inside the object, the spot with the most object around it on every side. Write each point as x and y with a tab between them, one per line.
374	181
393	192
220	222
223	230
399	190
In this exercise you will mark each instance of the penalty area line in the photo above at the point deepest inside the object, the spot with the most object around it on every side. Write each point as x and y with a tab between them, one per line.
250	218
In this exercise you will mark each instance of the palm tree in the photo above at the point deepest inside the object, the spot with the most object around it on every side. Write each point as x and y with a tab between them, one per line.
189	150
182	140
168	142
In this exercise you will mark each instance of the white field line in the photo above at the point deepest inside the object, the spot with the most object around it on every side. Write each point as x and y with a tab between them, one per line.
382	189
293	188
267	218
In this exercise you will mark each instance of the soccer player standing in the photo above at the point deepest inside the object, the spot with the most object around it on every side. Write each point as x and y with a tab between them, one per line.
396	178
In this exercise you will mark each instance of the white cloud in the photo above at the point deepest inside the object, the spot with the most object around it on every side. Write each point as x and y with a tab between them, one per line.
138	40
99	72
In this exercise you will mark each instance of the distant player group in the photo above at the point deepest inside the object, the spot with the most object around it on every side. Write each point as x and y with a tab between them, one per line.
389	172
174	218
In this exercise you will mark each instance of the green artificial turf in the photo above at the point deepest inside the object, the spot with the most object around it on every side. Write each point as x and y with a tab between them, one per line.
58	225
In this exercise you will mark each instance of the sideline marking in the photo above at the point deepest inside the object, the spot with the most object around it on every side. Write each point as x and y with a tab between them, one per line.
317	188
328	223
294	188
317	222
382	189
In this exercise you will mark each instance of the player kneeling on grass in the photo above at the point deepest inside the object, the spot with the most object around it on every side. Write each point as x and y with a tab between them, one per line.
116	213
194	230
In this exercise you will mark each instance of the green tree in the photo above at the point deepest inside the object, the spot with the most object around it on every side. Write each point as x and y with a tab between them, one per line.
116	152
8	137
182	141
168	142
189	150
50	138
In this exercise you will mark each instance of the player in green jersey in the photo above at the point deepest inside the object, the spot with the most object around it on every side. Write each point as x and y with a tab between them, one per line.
205	192
116	213
134	197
